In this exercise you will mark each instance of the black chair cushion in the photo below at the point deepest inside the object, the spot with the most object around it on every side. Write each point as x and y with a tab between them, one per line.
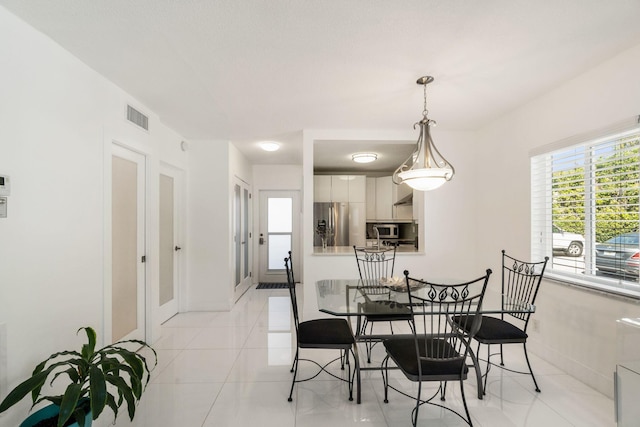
325	333
494	330
386	311
402	351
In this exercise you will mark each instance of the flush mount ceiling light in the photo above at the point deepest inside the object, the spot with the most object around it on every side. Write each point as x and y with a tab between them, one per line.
269	146
364	157
426	169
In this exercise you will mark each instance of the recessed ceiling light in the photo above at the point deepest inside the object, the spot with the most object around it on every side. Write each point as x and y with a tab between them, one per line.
269	146
364	157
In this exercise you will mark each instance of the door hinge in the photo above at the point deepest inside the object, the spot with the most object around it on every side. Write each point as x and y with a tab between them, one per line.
144	258
250	275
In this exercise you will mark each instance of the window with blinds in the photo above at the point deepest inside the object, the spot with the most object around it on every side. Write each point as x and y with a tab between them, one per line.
586	213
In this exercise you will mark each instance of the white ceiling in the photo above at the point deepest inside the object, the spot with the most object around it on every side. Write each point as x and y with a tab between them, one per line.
247	70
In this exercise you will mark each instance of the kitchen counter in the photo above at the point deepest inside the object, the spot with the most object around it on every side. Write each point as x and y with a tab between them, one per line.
348	250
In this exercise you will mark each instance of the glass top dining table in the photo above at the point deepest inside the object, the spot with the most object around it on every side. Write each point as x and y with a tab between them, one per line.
353	297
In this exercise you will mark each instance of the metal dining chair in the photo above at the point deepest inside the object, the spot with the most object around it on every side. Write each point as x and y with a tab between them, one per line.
329	333
437	348
520	284
375	264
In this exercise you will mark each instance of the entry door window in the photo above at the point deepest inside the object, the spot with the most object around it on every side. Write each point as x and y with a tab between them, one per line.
279	230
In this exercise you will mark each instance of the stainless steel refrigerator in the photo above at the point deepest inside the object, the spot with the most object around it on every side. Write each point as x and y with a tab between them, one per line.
335	217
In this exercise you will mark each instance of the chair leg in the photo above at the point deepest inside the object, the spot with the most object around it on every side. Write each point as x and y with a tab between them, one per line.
476	367
501	356
368	345
295	372
356	371
443	390
385	378
526	356
295	361
417	408
486	375
464	402
349	376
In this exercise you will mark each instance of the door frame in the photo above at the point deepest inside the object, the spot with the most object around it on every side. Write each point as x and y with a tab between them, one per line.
178	234
295	233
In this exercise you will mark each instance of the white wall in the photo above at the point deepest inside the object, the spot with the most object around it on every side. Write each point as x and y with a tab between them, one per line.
577	327
57	117
213	165
208	219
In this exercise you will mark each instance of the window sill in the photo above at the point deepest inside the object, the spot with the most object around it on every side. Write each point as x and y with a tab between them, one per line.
603	287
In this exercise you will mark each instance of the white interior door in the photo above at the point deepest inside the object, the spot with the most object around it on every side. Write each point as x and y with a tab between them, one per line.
128	244
279	234
242	225
170	246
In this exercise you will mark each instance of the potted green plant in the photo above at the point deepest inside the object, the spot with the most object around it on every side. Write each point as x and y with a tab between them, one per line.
109	376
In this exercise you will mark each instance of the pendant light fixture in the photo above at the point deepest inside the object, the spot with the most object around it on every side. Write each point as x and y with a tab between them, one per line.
426	169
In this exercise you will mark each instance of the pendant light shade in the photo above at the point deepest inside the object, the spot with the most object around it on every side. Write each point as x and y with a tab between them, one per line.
426	169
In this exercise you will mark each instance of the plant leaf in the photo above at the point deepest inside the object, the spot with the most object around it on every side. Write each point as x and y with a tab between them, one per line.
32	383
89	348
69	403
124	391
112	404
98	387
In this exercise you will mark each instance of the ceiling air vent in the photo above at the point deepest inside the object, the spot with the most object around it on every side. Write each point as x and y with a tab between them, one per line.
137	118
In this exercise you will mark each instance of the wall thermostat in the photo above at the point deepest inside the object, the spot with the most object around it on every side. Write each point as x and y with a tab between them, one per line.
5	185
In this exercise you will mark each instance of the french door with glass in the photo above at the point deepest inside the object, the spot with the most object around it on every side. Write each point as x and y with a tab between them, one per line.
241	236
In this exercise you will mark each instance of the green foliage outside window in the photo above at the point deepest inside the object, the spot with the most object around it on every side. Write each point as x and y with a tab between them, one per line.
616	192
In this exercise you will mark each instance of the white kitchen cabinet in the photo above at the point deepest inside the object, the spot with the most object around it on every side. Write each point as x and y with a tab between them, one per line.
371	198
322	188
357	189
357	224
339	188
384	197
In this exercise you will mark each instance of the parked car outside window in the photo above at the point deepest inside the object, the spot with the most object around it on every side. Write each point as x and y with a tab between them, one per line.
619	256
571	244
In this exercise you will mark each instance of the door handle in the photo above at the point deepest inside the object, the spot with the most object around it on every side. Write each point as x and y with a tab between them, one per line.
177	248
261	241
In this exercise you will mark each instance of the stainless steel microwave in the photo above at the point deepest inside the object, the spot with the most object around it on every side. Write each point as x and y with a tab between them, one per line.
387	231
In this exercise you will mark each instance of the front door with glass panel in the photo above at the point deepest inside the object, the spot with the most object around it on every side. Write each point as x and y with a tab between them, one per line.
279	226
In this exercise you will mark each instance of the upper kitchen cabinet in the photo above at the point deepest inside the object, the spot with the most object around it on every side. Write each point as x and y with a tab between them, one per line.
322	188
382	196
339	188
371	197
357	189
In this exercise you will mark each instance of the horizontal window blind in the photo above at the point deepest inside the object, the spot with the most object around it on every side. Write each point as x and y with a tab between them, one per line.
586	212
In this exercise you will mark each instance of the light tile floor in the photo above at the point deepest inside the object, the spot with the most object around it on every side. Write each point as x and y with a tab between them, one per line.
232	369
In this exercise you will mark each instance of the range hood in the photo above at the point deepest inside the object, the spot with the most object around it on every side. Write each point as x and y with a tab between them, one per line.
406	200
